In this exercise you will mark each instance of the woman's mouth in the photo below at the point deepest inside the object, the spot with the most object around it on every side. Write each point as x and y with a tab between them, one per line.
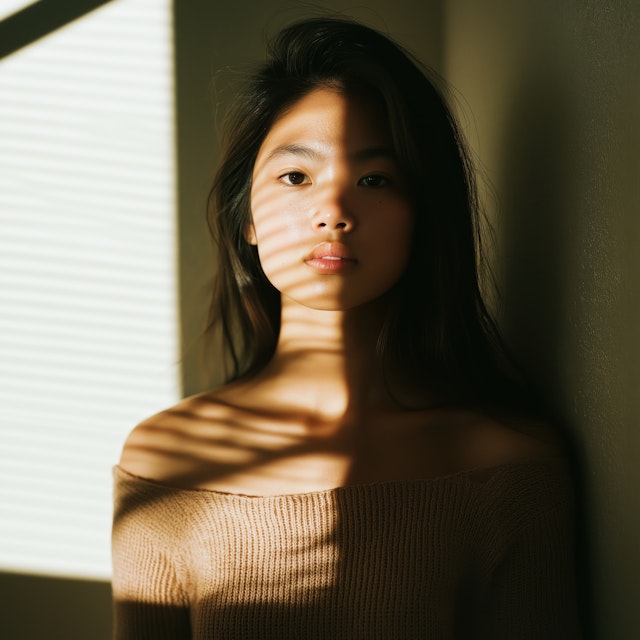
330	257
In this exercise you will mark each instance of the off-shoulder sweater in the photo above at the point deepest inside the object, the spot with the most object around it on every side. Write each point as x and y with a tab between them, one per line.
477	554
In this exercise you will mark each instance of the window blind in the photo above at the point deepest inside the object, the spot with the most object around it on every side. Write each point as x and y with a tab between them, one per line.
88	316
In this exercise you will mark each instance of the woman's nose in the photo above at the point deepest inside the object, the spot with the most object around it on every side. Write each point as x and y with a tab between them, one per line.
332	214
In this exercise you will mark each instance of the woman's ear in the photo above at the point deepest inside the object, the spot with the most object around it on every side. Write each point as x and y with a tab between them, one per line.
250	234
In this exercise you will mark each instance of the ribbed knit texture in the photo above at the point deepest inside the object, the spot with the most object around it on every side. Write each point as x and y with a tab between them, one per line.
482	554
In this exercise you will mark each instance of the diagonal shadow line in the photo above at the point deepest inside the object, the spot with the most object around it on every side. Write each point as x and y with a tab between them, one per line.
40	19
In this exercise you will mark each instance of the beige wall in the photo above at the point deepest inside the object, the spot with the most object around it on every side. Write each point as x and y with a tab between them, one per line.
554	91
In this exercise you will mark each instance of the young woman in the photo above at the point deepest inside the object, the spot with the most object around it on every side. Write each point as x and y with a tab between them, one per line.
372	468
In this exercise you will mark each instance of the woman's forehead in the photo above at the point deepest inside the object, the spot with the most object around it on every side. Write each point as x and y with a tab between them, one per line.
325	120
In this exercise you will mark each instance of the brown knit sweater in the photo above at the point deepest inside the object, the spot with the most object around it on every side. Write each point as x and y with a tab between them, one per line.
479	554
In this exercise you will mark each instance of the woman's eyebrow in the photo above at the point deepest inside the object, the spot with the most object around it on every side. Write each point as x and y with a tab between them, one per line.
315	154
295	150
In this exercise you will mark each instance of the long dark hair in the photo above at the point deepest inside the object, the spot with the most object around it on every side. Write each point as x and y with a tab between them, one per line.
437	325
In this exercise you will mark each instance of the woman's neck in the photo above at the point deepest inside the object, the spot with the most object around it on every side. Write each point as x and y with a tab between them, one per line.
327	360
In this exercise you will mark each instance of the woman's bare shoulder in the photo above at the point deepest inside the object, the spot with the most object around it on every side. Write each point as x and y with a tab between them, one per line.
172	444
487	441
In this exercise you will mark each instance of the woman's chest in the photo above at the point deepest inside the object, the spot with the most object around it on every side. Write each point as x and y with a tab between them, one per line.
361	562
273	460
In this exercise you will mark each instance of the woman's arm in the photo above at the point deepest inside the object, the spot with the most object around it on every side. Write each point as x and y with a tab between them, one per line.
532	591
149	597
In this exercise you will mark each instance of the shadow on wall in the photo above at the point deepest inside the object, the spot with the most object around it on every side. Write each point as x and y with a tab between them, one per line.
540	217
535	175
43	608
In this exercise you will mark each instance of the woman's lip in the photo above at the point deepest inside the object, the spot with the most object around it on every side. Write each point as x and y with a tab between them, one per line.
330	264
330	251
330	257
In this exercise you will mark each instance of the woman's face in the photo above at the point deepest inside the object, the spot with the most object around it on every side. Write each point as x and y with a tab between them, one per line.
331	213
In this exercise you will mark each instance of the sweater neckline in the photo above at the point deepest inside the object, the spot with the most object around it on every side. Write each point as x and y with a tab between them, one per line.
476	473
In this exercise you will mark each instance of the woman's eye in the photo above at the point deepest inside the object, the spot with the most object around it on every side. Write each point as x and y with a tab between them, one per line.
294	178
373	181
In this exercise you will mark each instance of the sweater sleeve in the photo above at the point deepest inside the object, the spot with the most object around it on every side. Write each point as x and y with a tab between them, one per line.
532	592
149	596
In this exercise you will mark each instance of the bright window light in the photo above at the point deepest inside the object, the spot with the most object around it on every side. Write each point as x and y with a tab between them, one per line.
88	314
8	7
